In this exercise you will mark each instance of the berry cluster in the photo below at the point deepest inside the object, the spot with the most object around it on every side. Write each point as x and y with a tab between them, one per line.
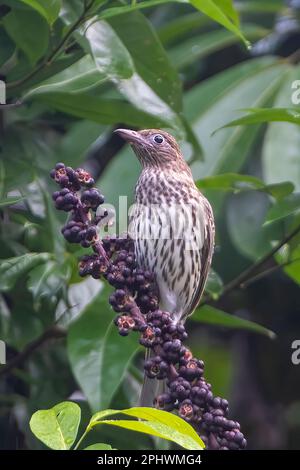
77	196
135	300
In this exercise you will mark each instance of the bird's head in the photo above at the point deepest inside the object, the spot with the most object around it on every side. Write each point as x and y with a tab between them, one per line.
153	147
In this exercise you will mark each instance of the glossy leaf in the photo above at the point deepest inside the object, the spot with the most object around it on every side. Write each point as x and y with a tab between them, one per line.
44	74
103	111
221	11
110	55
213	316
151	61
58	426
114	58
284	208
13	268
49	9
237	183
99	356
154	422
127	51
229	9
26	37
79	77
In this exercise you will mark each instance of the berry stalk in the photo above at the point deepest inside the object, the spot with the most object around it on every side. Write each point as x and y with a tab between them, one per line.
136	302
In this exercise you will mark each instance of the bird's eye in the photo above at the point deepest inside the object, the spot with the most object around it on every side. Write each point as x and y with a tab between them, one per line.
158	138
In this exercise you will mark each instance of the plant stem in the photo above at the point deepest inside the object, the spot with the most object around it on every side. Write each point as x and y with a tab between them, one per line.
81	439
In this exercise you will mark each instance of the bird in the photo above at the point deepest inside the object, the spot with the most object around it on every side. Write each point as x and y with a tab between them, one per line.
173	228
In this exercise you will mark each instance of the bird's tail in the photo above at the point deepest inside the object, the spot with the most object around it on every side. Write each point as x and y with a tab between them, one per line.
151	388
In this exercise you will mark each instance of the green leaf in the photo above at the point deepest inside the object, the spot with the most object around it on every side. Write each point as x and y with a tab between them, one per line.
99	356
229	10
280	153
150	59
78	141
10	201
174	29
246	214
260	115
103	111
199	46
284	208
29	31
45	73
292	269
137	65
259	6
13	268
206	104
99	447
46	280
110	55
116	11
213	316
128	52
154	422
237	183
79	77
52	226
58	426
124	170
222	12
49	9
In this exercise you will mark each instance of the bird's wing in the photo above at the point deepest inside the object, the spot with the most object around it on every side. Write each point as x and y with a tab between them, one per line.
205	257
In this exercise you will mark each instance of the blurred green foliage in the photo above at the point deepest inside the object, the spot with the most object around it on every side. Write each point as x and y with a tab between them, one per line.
74	70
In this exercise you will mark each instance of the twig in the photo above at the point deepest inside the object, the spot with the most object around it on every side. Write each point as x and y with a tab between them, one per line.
268	271
246	277
54	332
58	48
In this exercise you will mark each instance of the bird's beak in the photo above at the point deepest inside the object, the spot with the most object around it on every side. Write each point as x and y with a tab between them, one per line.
132	137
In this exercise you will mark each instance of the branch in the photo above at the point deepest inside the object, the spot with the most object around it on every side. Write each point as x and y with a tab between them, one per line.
54	332
246	277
